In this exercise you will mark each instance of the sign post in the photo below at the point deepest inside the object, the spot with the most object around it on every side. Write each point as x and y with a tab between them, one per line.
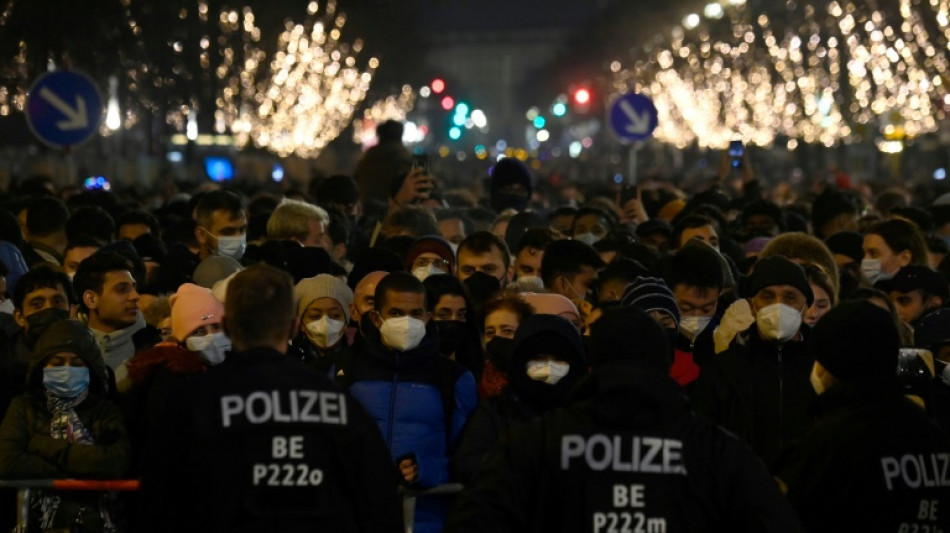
63	108
633	117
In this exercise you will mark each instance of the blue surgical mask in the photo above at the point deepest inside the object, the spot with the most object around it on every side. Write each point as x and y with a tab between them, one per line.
66	381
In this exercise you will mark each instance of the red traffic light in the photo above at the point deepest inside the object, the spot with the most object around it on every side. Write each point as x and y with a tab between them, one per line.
582	96
448	103
437	85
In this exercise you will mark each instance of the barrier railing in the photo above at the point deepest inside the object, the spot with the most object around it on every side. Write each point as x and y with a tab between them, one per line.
25	488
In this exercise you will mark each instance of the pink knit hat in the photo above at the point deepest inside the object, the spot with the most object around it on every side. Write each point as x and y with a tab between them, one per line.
193	307
551	304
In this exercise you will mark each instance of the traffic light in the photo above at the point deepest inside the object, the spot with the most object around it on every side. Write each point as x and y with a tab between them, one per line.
438	85
582	97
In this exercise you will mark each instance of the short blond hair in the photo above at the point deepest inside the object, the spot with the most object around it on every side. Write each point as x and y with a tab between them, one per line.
291	220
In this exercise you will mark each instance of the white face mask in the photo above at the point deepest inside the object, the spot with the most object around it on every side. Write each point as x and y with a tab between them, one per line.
232	247
403	333
455	249
871	269
71	276
325	332
549	372
816	382
421	273
7	306
212	348
692	326
778	322
587	238
530	283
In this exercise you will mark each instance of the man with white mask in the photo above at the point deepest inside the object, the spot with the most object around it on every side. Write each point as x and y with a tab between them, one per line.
419	399
759	387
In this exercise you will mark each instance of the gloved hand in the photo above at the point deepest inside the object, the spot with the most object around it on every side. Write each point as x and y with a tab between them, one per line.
737	318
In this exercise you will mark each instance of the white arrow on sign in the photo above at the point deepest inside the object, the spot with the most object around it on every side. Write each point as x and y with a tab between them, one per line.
639	122
77	118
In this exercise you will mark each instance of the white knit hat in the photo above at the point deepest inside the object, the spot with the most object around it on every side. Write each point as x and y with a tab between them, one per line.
323	286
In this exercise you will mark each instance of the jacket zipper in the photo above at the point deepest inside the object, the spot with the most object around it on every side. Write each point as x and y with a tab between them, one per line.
781	399
392	406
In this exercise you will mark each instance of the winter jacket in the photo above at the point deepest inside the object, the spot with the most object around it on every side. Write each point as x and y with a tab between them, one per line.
525	398
260	443
27	451
628	452
156	375
406	393
759	390
872	462
330	363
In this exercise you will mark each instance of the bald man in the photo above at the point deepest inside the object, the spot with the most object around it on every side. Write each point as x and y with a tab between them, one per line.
364	295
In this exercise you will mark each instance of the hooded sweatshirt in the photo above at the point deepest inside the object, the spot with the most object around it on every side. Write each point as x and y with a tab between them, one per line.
28	451
525	398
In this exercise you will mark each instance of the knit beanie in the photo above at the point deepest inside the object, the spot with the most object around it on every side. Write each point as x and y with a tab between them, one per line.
651	294
213	269
323	286
778	270
193	307
430	244
857	341
551	304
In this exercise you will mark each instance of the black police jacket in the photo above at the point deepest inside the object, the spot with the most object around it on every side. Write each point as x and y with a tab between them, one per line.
629	455
873	461
260	443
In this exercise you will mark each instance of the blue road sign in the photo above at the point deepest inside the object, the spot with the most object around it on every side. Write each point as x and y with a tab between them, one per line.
63	108
633	117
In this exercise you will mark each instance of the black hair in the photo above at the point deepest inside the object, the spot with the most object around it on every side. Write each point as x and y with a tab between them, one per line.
567	258
93	221
397	282
417	219
610	219
482	242
138	216
622	269
46	215
339	227
91	274
41	277
693	266
690	222
439	285
468	226
562	212
84	241
221	200
536	238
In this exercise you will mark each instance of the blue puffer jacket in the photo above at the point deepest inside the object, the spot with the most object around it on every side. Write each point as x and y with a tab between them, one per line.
403	392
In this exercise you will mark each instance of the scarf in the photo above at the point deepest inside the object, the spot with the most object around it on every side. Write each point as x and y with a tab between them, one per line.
66	425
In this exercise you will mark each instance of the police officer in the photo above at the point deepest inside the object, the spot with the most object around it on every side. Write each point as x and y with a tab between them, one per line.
873	461
261	443
627	455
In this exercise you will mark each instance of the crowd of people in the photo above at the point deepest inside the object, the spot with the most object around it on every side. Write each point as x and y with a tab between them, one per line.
570	356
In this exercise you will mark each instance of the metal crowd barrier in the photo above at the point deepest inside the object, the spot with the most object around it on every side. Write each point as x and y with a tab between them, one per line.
409	500
25	488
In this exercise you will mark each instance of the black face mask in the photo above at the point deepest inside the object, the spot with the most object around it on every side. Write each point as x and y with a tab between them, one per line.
452	335
37	323
498	351
502	201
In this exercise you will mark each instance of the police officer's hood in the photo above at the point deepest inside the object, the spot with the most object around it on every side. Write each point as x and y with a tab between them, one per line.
629	385
542	336
67	336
